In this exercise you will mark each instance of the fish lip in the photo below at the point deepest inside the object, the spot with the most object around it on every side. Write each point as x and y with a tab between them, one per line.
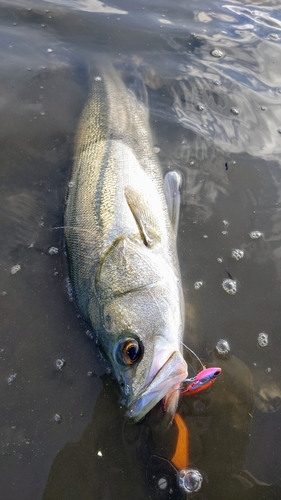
161	384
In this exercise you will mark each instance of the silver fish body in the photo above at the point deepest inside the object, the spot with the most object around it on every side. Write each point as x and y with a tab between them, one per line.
121	243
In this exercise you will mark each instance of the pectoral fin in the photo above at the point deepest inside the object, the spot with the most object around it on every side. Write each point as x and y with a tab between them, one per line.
144	216
172	183
124	268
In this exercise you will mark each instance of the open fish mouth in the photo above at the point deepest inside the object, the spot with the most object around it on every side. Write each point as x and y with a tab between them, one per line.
164	383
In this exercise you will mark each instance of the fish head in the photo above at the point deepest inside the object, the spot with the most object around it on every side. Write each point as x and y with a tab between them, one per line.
141	336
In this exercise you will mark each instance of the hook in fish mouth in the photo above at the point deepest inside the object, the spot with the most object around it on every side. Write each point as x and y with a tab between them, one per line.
160	385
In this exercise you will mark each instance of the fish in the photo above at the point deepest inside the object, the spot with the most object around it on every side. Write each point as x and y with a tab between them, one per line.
121	222
202	380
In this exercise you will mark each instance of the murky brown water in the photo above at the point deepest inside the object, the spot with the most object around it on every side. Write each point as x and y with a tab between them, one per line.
218	121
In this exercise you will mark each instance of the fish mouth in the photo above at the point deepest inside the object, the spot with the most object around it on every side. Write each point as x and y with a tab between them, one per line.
163	384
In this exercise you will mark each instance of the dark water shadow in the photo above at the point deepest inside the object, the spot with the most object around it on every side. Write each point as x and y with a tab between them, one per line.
117	459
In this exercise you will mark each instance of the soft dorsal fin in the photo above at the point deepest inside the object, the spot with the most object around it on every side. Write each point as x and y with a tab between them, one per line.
143	215
172	184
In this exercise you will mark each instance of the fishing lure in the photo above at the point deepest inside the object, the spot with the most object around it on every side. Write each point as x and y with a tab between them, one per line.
201	381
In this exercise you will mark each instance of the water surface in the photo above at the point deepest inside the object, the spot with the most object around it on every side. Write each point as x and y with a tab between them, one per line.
215	119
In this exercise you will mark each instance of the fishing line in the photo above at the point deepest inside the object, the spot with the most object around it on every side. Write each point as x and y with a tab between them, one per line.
195	355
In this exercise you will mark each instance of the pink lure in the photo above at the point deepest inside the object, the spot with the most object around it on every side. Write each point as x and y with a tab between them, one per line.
203	379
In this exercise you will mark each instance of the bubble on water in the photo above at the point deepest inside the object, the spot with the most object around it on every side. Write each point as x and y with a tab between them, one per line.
225	223
90	334
198	285
156	150
99	453
15	269
279	131
217	53
90	373
69	290
220	260
255	235
268	369
108	370
53	250
71	184
60	364
237	254
11	378
235	111
190	480
43	25
222	347
262	339
229	286
42	113
205	236
97	79
263	108
273	36
49	51
57	418
224	232
200	107
216	82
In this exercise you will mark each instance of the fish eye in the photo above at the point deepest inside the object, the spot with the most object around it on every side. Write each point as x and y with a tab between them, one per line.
130	351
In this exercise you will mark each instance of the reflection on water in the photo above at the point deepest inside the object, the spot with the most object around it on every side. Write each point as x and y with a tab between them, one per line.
217	121
137	458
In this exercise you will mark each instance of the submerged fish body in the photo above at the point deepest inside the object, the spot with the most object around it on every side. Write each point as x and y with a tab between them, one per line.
120	231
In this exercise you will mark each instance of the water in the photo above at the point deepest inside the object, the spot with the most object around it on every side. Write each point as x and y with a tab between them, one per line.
217	121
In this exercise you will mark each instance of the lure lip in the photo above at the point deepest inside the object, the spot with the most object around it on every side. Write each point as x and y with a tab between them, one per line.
202	380
172	373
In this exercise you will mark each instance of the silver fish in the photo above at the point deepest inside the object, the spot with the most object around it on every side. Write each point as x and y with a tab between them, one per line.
120	225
